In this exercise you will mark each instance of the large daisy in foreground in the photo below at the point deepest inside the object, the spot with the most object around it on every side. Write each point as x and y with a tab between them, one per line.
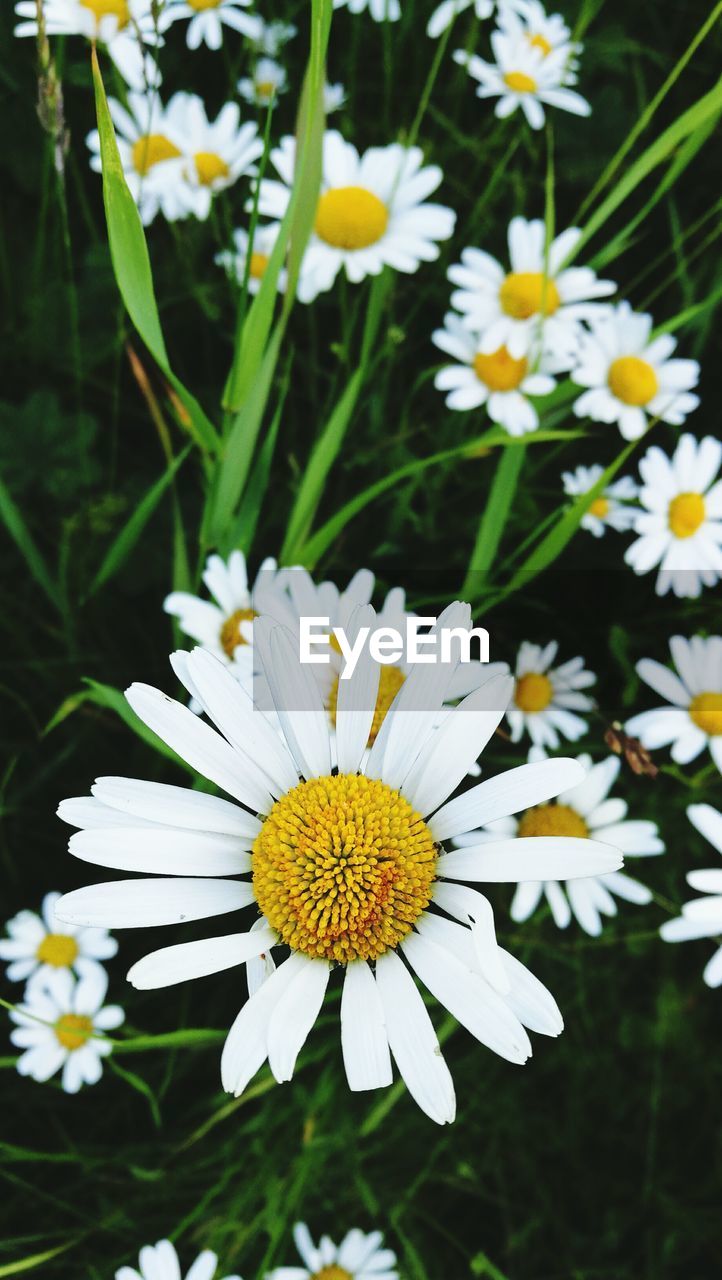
693	721
702	917
347	869
358	1257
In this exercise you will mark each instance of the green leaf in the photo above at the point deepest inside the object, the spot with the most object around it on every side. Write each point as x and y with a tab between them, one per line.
34	1260
21	536
493	521
104	695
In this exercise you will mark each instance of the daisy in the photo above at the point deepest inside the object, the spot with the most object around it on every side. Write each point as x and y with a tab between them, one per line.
546	698
702	917
611	508
630	375
380	10
358	1257
694	720
39	945
151	156
585	810
524	76
448	10
123	27
263	87
372	211
527	20
160	1262
537	300
234	260
334	97
496	379
680	523
223	624
60	1026
207	19
272	36
216	153
347	870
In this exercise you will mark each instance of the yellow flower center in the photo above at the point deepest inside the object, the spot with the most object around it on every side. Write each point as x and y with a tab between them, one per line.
350	218
528	293
533	692
552	820
200	5
540	42
151	149
706	712
73	1029
265	88
58	949
109	9
390	681
520	82
600	508
686	514
210	167
343	867
632	380
332	1273
259	262
500	371
231	634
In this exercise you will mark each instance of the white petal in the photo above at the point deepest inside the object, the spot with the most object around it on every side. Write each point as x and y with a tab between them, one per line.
509	792
363	1033
246	1047
530	858
187	960
472	908
162	851
356	703
296	698
174	806
294	1015
413	1041
130	904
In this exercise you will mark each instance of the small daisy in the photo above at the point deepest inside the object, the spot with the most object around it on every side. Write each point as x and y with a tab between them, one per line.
448	10
694	720
380	10
524	76
358	1257
160	1262
223	624
527	20
702	917
537	300
123	27
585	810
207	19
611	509
216	153
61	1026
334	97
234	260
495	379
263	87
272	36
403	905
680	525
39	945
546	698
630	375
372	211
152	158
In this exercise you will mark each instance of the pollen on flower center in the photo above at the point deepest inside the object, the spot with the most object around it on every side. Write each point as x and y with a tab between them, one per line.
553	820
706	712
150	150
520	82
686	513
259	262
231	633
265	88
500	371
58	949
109	9
200	5
210	166
533	692
343	867
539	41
332	1273
599	508
73	1029
524	294
391	679
350	218
632	380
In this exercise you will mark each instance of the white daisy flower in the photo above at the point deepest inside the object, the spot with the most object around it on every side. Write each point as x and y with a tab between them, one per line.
448	10
630	375
151	156
680	523
358	1257
263	87
702	917
234	260
61	1026
611	509
160	1262
537	302
292	825
495	379
334	97
694	719
546	698
528	20
38	945
217	153
585	810
208	18
380	10
123	27
223	624
524	76
272	36
372	211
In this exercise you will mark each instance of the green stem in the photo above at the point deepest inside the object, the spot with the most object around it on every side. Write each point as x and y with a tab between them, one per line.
493	521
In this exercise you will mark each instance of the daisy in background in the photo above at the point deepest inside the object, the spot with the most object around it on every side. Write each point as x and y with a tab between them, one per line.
630	375
380	10
217	153
263	87
448	10
224	624
151	154
496	379
272	36
693	721
122	27
39	946
358	1257
160	1262
524	76
546	699
585	810
334	97
679	525
61	1026
372	211
208	18
346	873
537	301
611	508
527	20
702	917
234	260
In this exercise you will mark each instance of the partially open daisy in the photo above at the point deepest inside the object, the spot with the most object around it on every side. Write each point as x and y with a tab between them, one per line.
160	1262
263	87
630	375
347	869
234	260
223	624
546	699
585	810
693	721
702	917
123	27
39	945
611	508
61	1026
448	10
151	156
523	75
537	301
358	1257
372	211
380	10
496	379
209	17
679	524
272	36
217	153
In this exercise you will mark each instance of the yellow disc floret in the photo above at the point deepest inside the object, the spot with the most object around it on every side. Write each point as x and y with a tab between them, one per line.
520	82
500	371
632	380
706	712
231	633
332	1273
350	218
259	262
210	167
73	1029
539	41
200	5
686	513
524	294
553	820
390	681
109	9
533	692
58	949
343	867
150	150
599	508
